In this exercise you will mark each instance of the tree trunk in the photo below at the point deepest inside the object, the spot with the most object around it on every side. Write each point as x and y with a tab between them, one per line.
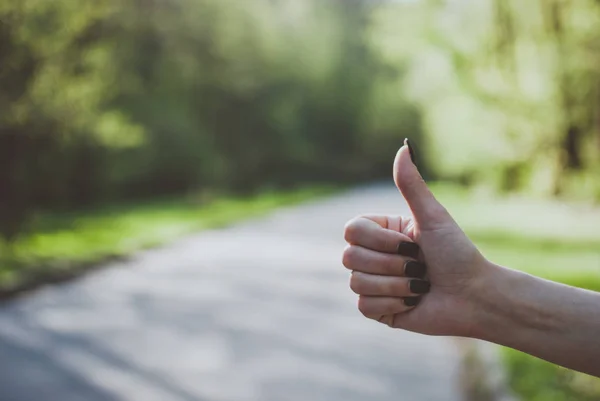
505	35
572	146
14	194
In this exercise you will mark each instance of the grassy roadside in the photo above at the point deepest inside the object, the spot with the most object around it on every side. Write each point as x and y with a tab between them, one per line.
553	240
546	238
64	244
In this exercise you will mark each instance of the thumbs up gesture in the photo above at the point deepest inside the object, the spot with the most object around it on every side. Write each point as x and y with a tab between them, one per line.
419	272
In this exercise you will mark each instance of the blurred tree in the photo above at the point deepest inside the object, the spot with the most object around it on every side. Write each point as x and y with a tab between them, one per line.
509	90
111	100
55	81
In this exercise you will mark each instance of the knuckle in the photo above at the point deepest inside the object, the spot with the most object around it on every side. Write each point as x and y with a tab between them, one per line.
364	306
356	284
352	229
349	256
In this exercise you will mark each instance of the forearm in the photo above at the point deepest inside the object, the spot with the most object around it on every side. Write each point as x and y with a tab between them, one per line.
558	323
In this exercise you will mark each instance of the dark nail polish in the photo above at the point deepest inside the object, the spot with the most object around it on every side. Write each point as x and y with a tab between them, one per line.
413	157
412	301
408	249
419	286
414	269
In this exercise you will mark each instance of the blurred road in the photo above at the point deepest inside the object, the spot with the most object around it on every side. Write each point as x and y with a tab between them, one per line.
257	312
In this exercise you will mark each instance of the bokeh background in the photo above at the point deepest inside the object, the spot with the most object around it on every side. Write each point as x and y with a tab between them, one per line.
125	124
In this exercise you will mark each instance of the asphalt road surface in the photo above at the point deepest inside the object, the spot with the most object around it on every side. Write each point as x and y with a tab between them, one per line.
259	311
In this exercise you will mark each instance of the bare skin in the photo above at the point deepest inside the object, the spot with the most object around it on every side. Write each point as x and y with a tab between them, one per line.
469	296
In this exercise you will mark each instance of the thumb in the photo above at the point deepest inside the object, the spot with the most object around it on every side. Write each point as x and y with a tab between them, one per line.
426	210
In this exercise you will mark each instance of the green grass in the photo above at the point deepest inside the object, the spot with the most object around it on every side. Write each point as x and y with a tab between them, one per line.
70	241
537	380
550	239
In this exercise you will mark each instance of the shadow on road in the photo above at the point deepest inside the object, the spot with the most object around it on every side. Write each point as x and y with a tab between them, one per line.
257	312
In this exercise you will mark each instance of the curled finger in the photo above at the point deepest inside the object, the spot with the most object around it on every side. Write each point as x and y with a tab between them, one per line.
376	307
387	286
369	234
361	259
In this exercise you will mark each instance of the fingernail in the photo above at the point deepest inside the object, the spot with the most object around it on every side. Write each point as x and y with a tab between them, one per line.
412	301
419	286
408	249
414	269
413	157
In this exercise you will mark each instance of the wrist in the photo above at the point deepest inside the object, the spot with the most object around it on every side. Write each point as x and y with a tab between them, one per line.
495	302
510	307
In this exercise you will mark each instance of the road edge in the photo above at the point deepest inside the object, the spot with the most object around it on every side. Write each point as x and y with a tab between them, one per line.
483	375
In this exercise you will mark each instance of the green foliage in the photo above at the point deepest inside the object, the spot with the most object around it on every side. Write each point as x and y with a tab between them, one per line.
113	100
548	238
536	380
510	90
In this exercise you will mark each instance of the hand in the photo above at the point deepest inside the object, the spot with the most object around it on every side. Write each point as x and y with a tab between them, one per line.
388	284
